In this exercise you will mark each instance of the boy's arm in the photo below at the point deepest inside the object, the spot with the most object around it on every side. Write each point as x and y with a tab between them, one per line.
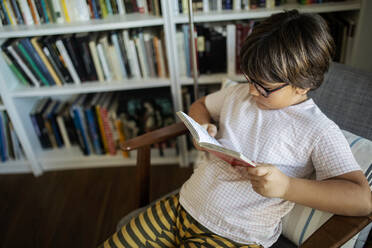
199	112
347	194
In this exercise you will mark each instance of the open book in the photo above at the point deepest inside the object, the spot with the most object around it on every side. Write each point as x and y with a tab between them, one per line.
210	144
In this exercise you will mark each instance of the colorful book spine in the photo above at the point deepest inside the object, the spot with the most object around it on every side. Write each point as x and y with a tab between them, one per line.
93	131
108	132
15	70
101	128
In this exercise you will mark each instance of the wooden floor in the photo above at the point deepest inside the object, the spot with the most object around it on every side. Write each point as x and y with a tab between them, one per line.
76	208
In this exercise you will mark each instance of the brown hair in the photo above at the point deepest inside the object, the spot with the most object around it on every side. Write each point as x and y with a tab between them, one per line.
288	47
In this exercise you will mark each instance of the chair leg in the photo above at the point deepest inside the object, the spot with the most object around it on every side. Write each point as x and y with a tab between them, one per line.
143	175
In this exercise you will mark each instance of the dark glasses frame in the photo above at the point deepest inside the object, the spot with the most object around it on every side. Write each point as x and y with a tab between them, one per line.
265	92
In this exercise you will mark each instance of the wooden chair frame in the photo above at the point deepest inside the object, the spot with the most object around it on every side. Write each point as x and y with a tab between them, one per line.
334	233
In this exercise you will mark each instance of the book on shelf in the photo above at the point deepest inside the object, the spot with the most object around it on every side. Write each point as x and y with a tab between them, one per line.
98	123
31	12
211	145
83	57
181	6
10	147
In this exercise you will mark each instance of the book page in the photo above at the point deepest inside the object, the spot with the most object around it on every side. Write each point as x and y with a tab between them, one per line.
202	133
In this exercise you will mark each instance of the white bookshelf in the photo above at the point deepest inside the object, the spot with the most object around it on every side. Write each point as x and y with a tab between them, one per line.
72	158
90	87
95	25
233	15
19	100
15	166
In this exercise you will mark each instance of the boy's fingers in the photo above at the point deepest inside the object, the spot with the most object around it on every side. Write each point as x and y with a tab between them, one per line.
212	130
258	171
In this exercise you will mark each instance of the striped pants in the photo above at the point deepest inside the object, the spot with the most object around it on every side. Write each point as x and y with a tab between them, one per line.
167	224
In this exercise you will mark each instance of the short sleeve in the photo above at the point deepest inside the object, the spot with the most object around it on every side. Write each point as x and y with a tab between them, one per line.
332	155
215	101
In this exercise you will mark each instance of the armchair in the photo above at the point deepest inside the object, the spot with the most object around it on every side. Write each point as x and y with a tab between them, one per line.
346	97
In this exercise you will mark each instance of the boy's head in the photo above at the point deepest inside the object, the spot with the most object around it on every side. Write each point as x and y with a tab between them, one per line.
288	48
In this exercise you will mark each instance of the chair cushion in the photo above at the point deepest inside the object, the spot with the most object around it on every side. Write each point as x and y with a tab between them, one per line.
346	98
302	221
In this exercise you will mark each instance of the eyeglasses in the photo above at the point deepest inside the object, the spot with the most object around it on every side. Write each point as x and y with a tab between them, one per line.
265	92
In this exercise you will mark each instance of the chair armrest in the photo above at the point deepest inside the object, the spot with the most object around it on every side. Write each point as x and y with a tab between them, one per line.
154	137
337	231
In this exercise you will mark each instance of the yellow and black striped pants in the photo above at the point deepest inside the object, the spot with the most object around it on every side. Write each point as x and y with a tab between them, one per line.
167	224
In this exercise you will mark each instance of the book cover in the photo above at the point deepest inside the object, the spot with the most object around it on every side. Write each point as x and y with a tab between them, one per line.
149	51
52	117
47	63
18	152
96	60
34	13
73	52
62	126
92	124
66	58
48	124
16	70
100	122
121	7
132	55
18	47
10	13
79	126
2	141
17	11
124	54
26	43
106	125
120	56
51	51
82	43
4	15
39	121
104	63
26	11
23	65
211	145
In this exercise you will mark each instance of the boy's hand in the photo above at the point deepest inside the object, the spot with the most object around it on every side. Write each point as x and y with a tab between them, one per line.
211	129
268	181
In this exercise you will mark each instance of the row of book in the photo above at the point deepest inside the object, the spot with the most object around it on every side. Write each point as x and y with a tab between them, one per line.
218	46
10	147
84	57
181	6
31	12
99	123
342	28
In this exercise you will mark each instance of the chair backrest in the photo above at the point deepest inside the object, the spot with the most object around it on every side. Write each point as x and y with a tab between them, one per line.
346	98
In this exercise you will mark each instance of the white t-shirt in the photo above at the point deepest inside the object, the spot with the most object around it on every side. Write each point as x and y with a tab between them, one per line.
297	139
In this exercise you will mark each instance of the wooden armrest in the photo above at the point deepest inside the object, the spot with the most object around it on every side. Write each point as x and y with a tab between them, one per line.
337	231
154	137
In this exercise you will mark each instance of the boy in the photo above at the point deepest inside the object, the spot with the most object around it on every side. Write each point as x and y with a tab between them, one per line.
273	123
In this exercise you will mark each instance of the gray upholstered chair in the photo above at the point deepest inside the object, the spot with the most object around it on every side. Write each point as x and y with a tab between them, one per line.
345	97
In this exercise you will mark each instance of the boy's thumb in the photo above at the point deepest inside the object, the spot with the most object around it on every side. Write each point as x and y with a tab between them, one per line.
212	130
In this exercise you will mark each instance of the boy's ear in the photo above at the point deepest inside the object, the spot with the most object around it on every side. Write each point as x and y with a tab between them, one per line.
301	91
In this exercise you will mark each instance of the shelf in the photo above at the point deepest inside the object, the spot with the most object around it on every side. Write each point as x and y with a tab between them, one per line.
90	87
211	79
15	166
2	107
230	15
72	158
95	25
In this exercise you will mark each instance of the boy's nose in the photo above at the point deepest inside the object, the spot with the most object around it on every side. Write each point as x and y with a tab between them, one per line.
253	91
